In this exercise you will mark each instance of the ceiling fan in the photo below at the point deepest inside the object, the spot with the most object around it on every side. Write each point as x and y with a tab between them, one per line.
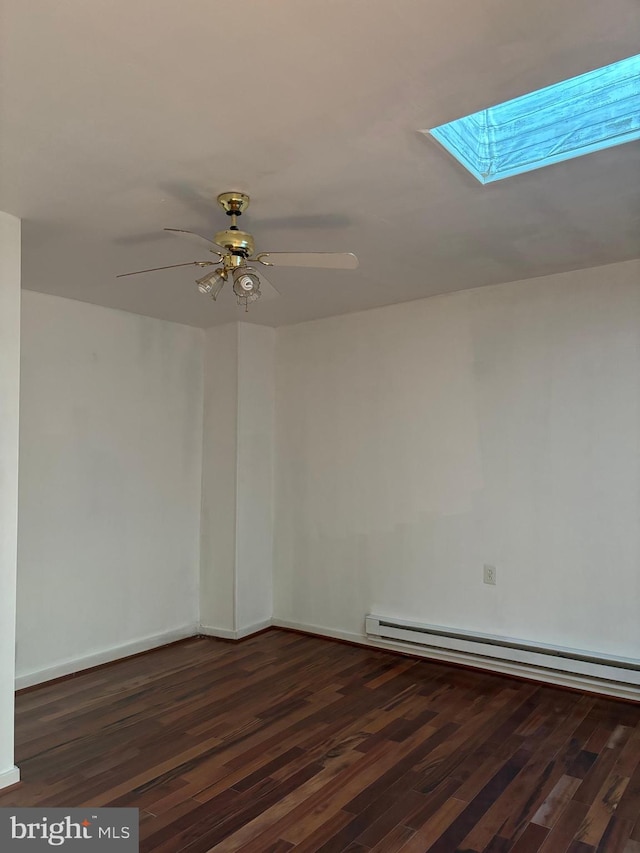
235	256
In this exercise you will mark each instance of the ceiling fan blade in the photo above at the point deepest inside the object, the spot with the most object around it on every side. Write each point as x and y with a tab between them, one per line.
321	260
170	267
192	234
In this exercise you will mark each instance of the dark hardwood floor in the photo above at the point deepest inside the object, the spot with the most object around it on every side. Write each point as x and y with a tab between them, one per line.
287	742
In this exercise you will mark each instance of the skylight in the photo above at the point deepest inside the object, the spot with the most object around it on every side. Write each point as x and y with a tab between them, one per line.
596	110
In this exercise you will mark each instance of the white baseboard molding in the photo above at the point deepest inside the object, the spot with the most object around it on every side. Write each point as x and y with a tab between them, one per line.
240	634
576	682
9	777
359	639
562	679
70	667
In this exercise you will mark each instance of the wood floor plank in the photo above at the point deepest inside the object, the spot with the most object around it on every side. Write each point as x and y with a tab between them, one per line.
288	742
616	836
628	806
394	840
312	842
531	839
551	808
432	830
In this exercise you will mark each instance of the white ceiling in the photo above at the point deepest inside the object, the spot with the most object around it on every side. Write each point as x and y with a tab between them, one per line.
121	117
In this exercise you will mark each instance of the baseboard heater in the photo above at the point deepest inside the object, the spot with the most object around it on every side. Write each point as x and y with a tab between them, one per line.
487	647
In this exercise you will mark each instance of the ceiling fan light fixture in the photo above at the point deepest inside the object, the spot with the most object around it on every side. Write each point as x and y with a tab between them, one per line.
246	286
212	283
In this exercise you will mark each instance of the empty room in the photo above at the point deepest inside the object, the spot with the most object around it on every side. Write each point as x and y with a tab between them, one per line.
320	426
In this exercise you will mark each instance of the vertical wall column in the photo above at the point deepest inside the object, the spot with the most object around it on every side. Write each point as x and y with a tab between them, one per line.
236	564
254	517
219	474
9	406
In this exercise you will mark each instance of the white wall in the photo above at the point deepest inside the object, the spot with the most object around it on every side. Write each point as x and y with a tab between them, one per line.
110	475
499	425
9	404
414	444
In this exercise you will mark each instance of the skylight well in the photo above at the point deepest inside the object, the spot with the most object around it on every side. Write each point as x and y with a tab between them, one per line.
596	110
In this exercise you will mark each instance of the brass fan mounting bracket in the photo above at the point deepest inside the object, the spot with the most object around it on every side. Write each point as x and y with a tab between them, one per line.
233	203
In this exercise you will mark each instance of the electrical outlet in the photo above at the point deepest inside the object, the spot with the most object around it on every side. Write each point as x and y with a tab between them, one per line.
489	575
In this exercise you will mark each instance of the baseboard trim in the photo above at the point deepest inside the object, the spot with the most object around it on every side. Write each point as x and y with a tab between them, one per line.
514	670
10	778
68	668
331	633
240	634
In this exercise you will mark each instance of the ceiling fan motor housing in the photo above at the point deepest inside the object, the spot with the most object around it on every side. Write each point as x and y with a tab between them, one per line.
236	241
